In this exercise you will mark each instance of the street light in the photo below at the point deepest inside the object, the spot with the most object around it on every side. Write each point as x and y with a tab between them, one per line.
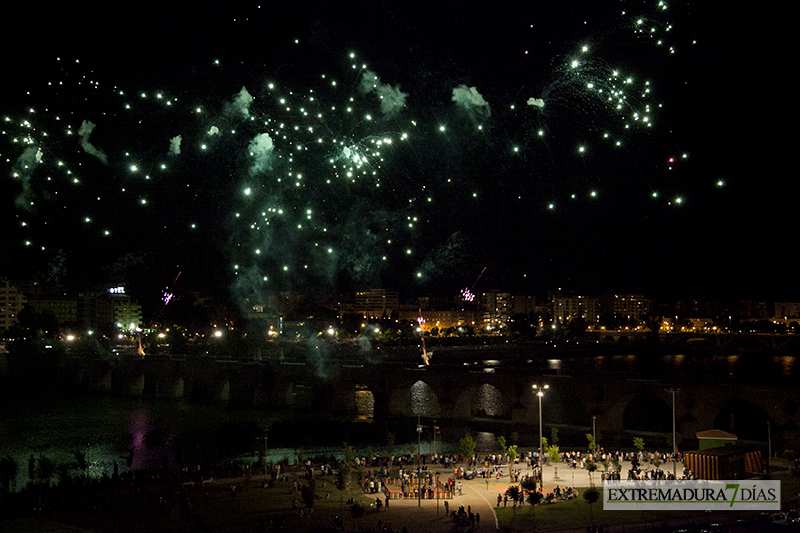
540	392
419	466
769	447
674	441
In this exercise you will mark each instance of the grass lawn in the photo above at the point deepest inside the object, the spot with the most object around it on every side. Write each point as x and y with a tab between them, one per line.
216	508
577	514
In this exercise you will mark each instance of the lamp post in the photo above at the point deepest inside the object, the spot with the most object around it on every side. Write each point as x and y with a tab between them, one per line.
419	466
674	441
594	430
769	447
540	392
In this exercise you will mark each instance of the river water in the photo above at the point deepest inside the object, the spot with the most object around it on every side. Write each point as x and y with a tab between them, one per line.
141	433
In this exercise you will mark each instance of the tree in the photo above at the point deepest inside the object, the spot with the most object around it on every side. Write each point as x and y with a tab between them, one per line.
356	510
390	443
638	443
592	443
308	493
41	472
502	442
678	439
347	468
45	469
467	444
512	453
528	484
515	495
83	464
534	497
616	465
591	467
555	458
591	495
8	473
31	467
576	329
554	436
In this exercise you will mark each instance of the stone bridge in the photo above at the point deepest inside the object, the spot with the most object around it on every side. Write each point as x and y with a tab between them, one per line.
725	341
476	396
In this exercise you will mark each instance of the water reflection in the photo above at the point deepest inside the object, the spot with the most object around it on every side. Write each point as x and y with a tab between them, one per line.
787	364
750	366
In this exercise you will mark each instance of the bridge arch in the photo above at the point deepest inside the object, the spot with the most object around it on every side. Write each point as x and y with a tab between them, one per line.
424	401
488	402
299	395
647	412
745	419
743	345
364	402
790	346
414	398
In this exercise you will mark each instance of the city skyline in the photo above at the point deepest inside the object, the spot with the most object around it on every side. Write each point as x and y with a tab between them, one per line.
113	308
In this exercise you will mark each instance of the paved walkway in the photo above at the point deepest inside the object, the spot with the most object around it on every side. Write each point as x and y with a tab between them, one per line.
480	497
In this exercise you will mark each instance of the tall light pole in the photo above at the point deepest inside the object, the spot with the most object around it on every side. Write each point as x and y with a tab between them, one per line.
540	392
419	466
594	431
674	440
769	447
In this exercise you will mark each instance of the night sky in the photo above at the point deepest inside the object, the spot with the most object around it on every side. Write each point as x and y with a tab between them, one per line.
253	148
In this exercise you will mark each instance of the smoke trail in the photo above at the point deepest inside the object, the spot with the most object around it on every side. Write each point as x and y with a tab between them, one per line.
85	130
22	170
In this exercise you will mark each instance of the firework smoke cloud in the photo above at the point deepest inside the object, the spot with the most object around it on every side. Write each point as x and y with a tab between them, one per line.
536	102
261	149
175	145
85	130
241	103
472	101
392	98
23	167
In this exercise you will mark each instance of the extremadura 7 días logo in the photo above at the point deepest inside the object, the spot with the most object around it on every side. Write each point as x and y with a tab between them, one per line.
703	495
